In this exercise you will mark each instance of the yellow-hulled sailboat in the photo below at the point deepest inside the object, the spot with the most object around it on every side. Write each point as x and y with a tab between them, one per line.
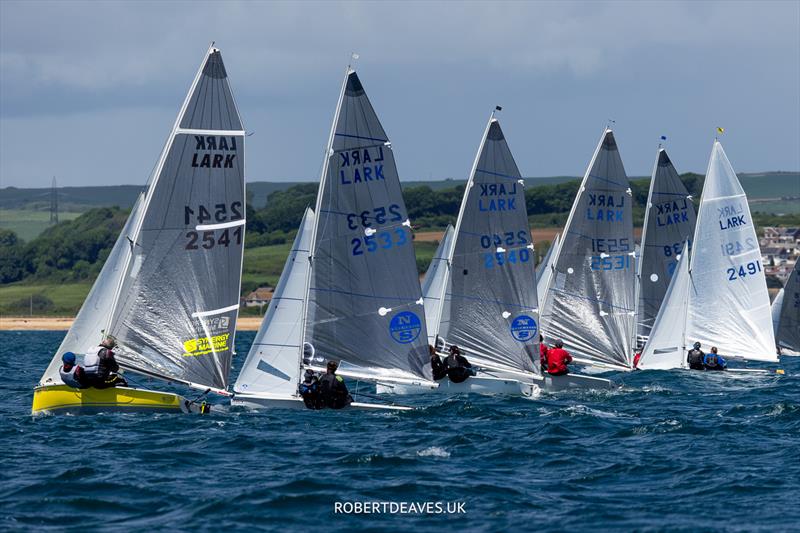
169	290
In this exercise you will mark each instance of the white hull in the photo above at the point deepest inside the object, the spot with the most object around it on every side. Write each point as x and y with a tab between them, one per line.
483	384
789	353
263	402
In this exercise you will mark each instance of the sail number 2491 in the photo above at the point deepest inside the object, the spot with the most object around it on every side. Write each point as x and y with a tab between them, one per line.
742	271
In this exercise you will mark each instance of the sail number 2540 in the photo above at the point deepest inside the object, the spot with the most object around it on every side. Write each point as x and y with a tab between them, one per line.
743	271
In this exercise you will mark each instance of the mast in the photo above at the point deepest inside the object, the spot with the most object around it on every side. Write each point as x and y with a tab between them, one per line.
451	252
317	204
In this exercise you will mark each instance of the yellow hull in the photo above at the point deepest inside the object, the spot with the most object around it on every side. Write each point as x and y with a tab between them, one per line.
59	399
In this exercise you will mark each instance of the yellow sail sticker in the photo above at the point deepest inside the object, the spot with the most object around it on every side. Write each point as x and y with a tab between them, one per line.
205	345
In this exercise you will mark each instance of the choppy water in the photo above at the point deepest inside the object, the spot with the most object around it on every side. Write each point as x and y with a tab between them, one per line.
670	451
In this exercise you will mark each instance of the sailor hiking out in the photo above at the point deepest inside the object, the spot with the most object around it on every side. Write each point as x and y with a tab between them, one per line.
558	359
695	357
100	367
333	391
72	374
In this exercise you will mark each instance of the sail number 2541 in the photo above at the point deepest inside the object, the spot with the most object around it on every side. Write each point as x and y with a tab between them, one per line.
743	271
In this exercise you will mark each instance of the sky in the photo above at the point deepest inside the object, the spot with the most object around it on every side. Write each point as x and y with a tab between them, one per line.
90	90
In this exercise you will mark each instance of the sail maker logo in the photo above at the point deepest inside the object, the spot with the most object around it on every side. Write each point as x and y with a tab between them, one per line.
405	327
218	150
206	345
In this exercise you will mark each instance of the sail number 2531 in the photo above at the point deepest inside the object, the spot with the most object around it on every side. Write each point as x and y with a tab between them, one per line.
743	271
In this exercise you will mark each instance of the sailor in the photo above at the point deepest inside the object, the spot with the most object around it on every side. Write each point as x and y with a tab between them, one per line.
437	366
333	391
100	366
558	359
636	358
71	374
542	353
713	361
310	391
695	357
458	368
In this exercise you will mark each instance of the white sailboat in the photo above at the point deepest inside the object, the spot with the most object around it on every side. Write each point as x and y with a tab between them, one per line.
169	291
349	291
434	281
486	302
718	295
786	315
669	220
590	300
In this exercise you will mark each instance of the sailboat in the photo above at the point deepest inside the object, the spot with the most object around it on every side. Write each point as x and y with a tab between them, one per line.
786	314
169	290
488	302
545	270
718	294
669	220
590	300
350	292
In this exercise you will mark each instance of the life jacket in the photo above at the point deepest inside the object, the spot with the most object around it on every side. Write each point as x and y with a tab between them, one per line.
333	391
71	377
311	394
438	368
458	368
91	361
557	360
695	359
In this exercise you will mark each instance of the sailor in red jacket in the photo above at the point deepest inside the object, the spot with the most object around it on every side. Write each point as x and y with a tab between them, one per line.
558	359
542	354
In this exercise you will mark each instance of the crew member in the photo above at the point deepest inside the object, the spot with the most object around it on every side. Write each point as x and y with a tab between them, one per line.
558	359
636	358
100	366
333	391
695	357
71	374
310	391
542	353
438	368
458	368
713	361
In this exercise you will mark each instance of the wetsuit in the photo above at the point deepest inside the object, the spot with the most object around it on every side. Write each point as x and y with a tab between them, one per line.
557	361
438	367
333	392
713	361
458	368
695	359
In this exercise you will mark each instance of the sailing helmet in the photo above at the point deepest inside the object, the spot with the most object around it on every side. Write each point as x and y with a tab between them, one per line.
559	343
109	342
68	358
332	366
697	346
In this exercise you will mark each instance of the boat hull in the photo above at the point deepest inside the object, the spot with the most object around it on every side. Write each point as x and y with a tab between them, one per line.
277	402
482	384
61	399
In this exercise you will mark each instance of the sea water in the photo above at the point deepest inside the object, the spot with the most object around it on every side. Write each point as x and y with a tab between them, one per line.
676	451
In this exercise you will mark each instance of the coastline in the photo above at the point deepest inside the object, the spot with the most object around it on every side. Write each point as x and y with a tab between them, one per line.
61	323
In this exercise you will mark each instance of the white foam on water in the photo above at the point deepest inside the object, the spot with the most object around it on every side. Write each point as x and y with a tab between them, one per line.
433	451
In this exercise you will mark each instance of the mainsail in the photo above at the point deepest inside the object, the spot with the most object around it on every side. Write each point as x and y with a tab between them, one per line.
273	363
591	297
787	333
433	283
725	302
490	296
668	221
545	270
364	304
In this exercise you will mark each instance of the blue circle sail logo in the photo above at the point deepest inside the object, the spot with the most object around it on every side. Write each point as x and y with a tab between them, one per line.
524	328
405	327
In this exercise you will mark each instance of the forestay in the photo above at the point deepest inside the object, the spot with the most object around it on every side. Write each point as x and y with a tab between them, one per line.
433	283
364	302
491	302
273	363
545	270
87	329
669	220
591	296
787	332
176	308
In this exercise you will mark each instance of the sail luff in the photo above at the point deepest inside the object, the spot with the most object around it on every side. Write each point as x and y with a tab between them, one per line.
449	262
436	275
640	261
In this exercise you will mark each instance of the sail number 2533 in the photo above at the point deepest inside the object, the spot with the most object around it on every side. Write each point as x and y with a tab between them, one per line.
743	271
